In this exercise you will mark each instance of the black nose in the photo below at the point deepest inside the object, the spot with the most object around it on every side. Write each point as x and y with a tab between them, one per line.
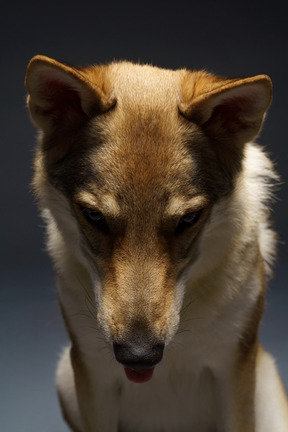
138	356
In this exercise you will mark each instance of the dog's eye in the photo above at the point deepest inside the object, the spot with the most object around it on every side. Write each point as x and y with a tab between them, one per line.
188	220
95	218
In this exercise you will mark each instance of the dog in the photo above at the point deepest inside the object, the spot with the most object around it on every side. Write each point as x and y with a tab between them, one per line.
156	201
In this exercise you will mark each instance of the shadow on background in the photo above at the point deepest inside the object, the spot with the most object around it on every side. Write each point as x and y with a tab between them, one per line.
224	37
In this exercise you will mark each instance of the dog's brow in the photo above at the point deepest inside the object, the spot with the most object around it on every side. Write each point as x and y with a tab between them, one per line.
178	205
110	205
107	204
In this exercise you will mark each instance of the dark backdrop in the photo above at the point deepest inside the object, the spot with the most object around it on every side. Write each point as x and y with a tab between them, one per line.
225	37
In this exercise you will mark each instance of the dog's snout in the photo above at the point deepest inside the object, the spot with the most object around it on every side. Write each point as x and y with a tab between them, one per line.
138	356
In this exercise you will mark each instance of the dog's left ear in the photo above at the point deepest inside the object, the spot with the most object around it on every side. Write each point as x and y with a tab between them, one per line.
228	110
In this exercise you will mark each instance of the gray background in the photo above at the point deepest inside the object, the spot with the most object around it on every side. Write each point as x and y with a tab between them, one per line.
225	37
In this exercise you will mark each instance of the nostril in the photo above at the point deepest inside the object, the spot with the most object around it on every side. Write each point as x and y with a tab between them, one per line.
140	356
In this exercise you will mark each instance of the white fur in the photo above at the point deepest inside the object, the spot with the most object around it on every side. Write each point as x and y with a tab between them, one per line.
271	403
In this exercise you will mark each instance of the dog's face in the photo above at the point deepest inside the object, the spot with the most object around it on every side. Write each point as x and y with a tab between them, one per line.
139	156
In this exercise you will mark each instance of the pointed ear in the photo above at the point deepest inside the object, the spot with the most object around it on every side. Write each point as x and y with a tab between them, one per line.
62	95
228	110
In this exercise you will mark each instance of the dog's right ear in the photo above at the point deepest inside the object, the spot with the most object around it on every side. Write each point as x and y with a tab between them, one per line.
62	95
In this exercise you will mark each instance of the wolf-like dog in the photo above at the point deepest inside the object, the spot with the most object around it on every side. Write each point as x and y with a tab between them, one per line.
156	202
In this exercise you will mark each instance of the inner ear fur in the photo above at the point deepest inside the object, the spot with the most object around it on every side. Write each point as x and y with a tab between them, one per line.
59	94
228	110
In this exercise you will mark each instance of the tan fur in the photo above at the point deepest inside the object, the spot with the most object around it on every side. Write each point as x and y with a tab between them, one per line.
156	209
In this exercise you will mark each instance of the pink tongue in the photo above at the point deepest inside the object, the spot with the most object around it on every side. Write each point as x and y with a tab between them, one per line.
139	376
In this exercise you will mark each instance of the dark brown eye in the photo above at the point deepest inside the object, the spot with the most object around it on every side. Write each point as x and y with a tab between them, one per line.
188	220
96	218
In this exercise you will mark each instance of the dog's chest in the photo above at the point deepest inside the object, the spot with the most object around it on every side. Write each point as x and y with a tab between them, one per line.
168	403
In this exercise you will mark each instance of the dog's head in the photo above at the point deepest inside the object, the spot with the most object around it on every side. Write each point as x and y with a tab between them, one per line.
135	157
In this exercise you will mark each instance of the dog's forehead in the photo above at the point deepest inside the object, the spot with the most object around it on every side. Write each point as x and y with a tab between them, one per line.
142	136
146	85
144	156
145	151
